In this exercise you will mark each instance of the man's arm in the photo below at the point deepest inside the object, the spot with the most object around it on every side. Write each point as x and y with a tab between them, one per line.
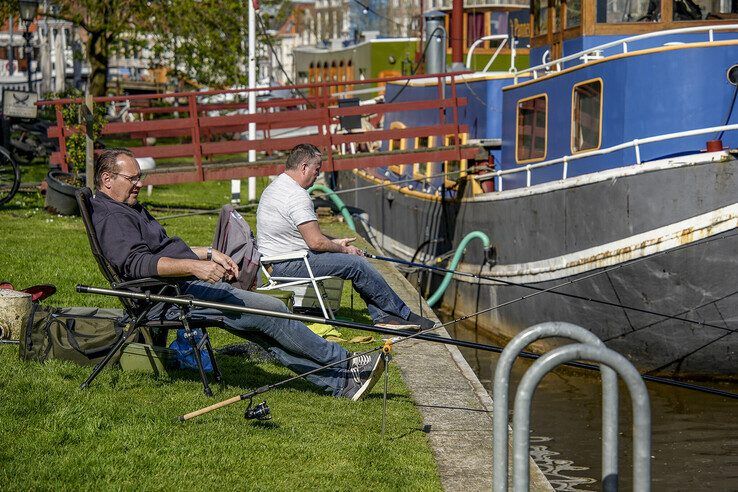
221	266
317	241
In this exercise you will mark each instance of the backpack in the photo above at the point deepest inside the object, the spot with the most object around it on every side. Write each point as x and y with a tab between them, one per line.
80	335
234	237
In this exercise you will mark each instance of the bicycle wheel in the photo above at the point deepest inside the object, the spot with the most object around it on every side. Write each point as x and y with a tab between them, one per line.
9	177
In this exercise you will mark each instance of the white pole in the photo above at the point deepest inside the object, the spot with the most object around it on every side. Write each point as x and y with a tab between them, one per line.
252	94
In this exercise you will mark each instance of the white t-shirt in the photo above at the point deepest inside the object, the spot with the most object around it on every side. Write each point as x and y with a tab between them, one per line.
283	206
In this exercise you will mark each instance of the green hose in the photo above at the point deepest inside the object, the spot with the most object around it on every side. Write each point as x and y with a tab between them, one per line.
339	203
455	261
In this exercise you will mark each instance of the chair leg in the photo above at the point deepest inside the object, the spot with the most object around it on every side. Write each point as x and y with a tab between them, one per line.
104	362
209	347
323	299
190	336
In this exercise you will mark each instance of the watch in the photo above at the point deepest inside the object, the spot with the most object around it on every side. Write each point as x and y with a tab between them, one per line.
210	253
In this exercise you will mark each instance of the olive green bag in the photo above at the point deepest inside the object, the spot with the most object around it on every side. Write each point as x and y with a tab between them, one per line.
80	335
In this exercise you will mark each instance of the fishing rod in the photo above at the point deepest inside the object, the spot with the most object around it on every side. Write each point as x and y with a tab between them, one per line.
541	289
399	336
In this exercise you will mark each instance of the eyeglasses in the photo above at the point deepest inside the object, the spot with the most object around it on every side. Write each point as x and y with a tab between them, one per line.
133	179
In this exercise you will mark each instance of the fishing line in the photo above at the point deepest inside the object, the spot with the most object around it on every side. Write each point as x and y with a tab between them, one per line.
644	327
564	294
399	336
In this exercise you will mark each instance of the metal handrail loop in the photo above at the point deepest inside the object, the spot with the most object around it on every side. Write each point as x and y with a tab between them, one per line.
624	42
501	393
638	395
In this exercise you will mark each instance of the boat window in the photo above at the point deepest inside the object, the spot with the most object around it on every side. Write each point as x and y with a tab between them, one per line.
586	116
422	169
687	10
628	10
573	13
454	169
531	131
540	14
396	144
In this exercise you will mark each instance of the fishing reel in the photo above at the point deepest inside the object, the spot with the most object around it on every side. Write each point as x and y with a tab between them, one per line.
259	412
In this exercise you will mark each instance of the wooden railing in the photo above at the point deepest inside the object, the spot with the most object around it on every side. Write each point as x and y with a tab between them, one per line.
186	125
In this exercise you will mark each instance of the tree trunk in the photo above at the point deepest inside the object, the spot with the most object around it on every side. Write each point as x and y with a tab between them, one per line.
98	54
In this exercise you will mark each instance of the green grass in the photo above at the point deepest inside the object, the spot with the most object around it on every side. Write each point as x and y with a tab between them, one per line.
122	433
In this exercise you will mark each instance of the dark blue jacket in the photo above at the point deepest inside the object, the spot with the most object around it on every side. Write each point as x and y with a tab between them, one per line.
131	239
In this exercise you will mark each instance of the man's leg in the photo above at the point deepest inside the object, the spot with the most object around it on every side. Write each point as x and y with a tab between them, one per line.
291	342
367	281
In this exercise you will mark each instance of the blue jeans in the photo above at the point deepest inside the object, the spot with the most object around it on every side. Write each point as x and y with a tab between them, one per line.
370	285
291	342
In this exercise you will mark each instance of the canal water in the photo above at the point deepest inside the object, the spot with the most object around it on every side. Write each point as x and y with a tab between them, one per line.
694	435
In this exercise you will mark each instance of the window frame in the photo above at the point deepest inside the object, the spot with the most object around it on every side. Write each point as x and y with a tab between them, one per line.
572	130
517	133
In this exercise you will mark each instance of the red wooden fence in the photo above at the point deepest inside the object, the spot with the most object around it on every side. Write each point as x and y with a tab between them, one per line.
205	137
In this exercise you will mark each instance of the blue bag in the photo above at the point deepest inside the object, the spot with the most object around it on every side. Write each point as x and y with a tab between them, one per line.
186	355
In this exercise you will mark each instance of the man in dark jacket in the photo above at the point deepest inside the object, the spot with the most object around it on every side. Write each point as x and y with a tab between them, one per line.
138	246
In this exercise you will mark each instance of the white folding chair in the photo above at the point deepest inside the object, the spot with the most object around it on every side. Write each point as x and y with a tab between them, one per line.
274	283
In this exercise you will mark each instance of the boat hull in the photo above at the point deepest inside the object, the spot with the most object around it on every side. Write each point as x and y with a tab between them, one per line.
659	238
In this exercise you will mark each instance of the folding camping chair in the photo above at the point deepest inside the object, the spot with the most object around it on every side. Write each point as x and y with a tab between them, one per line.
274	283
137	310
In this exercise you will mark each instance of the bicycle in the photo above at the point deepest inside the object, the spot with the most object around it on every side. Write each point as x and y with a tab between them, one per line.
9	176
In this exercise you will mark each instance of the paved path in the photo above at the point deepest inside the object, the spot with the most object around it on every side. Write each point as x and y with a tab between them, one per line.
452	402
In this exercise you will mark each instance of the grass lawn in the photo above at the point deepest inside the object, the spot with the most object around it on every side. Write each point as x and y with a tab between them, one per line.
123	433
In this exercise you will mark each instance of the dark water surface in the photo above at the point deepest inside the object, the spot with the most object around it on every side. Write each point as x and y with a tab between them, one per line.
694	435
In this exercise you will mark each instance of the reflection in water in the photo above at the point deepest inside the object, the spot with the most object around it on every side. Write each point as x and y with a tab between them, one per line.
558	471
694	435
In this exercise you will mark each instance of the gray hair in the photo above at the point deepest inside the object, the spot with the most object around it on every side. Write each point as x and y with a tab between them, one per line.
300	154
107	162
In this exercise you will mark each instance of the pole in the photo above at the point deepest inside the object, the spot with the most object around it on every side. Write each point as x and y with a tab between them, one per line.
402	334
252	93
29	53
11	48
457	36
89	143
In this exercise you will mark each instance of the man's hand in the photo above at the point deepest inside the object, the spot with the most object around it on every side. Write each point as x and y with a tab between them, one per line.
225	261
209	271
220	267
316	241
345	242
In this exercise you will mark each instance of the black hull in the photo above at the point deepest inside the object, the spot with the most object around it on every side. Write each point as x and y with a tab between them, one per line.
690	276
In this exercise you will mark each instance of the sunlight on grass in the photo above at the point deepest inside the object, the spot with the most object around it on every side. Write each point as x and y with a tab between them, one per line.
123	433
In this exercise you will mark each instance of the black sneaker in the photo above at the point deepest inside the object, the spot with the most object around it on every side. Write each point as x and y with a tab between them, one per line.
396	323
424	323
364	372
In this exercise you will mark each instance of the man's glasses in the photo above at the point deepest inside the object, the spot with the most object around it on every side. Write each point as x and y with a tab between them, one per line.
133	179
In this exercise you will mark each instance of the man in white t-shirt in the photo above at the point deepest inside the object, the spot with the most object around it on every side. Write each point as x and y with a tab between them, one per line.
286	222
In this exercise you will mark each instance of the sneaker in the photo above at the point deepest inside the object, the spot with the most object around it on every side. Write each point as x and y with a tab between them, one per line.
363	376
424	323
396	323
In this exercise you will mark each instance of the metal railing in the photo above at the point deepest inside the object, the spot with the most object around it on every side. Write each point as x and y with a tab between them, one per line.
493	37
501	393
611	364
635	143
638	396
624	43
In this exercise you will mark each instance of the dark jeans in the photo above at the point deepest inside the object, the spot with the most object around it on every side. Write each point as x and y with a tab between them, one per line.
291	342
370	285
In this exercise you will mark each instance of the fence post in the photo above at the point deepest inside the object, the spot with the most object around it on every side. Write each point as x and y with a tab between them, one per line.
500	397
62	137
196	146
638	396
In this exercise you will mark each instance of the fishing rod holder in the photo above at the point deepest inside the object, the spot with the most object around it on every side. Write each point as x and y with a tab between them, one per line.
611	363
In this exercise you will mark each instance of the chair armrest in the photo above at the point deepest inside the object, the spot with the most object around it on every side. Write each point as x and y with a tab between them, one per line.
150	282
293	255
